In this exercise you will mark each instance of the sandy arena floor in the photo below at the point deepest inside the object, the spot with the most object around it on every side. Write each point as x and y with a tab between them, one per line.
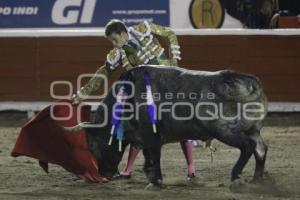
22	178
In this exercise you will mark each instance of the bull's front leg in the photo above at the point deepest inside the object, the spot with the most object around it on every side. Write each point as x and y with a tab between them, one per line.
148	165
152	166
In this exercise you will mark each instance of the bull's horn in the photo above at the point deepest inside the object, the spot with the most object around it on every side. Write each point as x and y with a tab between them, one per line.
77	127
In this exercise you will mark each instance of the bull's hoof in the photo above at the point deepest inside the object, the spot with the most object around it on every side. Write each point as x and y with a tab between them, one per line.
256	180
115	176
265	177
266	184
155	186
238	186
262	180
241	186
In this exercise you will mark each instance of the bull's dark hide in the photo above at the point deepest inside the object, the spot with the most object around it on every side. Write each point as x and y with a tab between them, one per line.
228	91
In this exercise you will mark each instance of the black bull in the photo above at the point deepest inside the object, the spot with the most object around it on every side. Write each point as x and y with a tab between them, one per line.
227	105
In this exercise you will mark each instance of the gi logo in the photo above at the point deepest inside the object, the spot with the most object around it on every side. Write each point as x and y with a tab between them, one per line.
66	12
206	13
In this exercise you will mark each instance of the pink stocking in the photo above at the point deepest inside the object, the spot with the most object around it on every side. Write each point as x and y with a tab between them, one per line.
133	152
187	148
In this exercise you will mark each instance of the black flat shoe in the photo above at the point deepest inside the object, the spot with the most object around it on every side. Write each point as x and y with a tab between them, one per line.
121	176
191	176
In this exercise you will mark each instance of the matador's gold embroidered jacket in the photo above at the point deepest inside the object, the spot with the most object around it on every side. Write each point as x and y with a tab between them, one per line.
142	48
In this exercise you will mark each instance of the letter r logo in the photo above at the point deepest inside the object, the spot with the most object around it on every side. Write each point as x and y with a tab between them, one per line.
65	12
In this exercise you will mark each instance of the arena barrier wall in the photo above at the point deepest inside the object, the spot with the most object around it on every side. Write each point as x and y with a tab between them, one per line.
31	59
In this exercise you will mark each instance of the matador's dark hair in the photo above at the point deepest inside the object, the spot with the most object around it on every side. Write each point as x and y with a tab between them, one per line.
115	26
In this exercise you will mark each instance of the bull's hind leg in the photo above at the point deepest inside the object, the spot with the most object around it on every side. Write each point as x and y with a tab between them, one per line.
260	153
242	142
245	154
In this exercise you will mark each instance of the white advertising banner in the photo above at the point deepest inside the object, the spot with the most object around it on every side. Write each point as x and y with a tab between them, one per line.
187	14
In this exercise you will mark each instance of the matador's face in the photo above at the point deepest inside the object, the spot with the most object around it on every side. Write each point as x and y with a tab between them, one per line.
118	40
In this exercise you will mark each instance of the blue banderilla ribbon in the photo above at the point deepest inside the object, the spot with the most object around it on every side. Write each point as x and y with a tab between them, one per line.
117	129
120	134
151	107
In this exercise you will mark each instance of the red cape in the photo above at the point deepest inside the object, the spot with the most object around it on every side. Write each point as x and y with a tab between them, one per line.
44	139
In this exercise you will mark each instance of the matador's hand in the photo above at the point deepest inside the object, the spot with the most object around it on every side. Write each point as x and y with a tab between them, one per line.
75	99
